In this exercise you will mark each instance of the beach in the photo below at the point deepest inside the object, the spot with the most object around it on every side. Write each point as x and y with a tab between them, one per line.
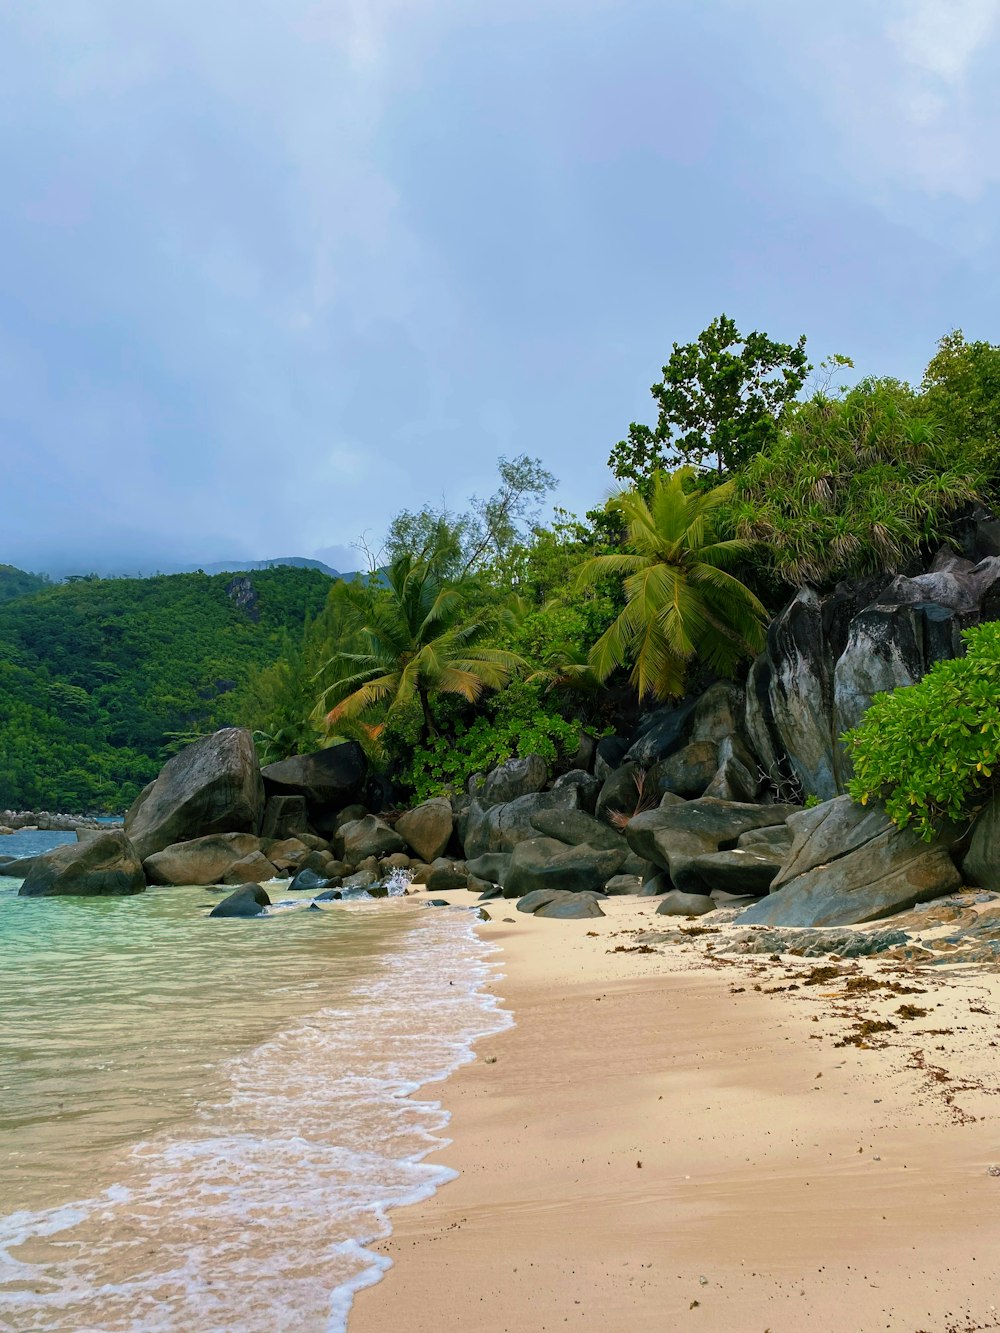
670	1140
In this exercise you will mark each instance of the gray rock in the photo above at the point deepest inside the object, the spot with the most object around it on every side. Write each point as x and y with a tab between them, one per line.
661	733
107	865
775	841
445	875
609	755
212	786
739	872
685	904
516	777
494	891
361	879
200	861
286	853
361	838
675	836
248	900
981	865
657	886
308	881
284	817
850	864
622	885
492	866
538	898
737	777
328	779
18	867
718	714
588	787
621	792
502	827
541	863
427	828
813	943
687	772
571	908
575	828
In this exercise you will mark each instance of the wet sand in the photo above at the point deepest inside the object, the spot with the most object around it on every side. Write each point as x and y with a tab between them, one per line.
667	1141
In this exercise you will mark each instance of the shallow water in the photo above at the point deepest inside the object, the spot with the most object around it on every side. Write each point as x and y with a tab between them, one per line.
203	1121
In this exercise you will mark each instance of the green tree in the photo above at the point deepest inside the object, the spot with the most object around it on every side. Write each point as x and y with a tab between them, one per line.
412	641
720	399
851	485
961	387
681	603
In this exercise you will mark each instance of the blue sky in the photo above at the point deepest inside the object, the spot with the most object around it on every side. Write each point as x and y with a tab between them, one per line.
271	270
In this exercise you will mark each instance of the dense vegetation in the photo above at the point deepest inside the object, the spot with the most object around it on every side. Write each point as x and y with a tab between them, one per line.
485	633
929	750
99	676
18	583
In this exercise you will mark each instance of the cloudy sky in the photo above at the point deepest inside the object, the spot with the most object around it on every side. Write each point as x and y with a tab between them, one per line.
271	270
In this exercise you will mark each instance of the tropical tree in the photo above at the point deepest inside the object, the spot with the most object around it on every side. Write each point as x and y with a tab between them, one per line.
719	402
412	640
681	602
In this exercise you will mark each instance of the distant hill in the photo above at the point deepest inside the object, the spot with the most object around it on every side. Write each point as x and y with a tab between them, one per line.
18	583
246	566
98	677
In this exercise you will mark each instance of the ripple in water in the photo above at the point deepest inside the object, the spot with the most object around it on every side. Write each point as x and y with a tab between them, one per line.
250	1208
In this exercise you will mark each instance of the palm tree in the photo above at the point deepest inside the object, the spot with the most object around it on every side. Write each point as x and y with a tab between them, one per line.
412	639
681	603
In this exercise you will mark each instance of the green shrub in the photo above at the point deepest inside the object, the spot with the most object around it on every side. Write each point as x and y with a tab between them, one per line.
518	723
929	750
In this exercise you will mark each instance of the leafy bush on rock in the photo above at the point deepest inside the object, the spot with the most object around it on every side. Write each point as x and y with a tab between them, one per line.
929	751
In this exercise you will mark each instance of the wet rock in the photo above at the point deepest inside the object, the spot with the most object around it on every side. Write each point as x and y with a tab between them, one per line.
362	838
286	853
308	881
445	876
248	900
252	869
107	865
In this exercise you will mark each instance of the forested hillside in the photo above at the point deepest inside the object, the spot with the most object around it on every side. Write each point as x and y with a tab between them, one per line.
98	676
18	583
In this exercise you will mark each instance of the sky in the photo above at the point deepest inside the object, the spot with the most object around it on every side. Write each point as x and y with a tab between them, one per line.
273	270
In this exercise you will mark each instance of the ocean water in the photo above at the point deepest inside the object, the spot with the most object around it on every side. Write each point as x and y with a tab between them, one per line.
204	1122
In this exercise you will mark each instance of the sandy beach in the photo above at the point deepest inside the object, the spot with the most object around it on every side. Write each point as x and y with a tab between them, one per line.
667	1140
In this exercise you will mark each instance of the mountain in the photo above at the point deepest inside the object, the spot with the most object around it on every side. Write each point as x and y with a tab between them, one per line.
247	566
100	677
18	583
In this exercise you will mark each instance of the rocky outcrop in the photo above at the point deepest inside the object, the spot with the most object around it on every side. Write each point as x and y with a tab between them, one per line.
850	864
740	872
575	828
284	817
427	828
675	836
212	786
502	827
559	904
253	869
981	865
677	903
248	900
105	865
361	838
516	777
328	780
201	860
543	863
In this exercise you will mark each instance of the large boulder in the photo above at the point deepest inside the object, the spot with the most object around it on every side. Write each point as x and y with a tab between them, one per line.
212	786
559	904
201	860
659	734
248	900
491	866
284	817
427	828
739	872
676	903
328	780
575	828
675	836
105	866
542	863
370	836
621	793
981	865
502	827
687	772
589	787
252	869
516	777
737	777
850	863
609	755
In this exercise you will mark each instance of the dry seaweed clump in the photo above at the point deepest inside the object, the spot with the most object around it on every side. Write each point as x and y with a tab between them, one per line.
865	1028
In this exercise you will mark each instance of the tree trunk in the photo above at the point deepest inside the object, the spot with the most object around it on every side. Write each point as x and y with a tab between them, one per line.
428	730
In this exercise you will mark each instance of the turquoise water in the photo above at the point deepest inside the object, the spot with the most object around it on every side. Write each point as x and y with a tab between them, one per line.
203	1121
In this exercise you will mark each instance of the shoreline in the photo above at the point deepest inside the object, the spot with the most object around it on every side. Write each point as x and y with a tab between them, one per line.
784	1178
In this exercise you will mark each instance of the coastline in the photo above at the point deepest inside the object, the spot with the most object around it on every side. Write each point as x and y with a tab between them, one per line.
784	1179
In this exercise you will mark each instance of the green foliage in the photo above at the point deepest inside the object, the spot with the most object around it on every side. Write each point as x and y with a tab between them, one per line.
852	485
515	722
720	399
410	639
962	388
681	603
99	676
18	583
930	750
